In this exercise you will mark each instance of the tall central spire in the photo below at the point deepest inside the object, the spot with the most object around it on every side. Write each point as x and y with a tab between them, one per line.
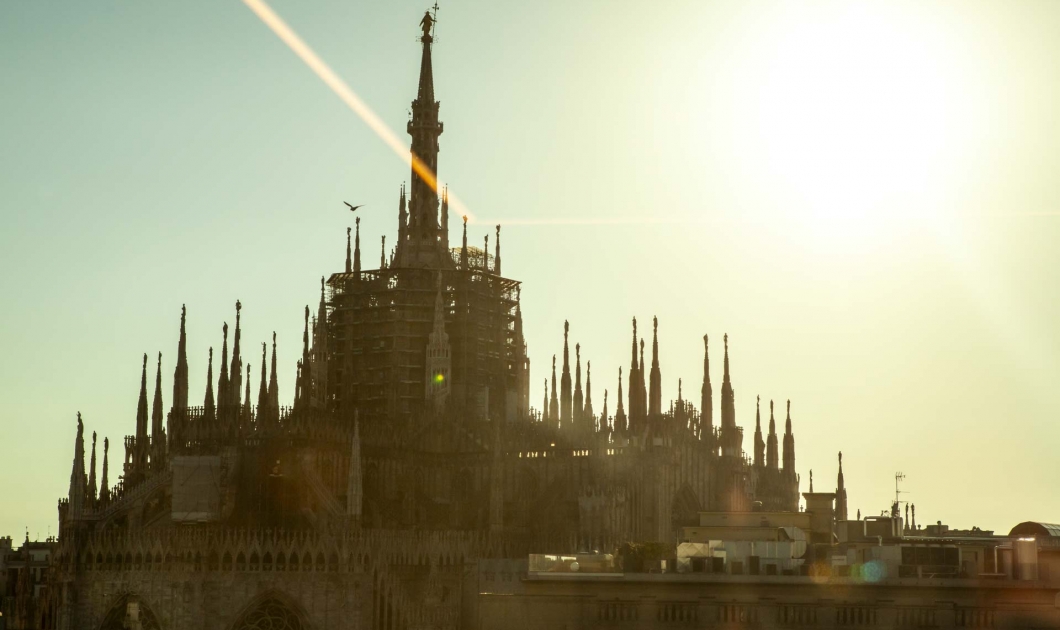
421	246
426	88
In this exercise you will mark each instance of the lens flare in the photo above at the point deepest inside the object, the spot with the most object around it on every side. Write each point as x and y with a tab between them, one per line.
873	571
348	96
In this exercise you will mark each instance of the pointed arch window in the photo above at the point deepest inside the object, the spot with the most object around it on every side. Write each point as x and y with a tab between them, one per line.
270	614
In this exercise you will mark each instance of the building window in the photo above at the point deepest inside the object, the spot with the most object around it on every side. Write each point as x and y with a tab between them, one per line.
915	618
798	616
616	611
855	616
974	618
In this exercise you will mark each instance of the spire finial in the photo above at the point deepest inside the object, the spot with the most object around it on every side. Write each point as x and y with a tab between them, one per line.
158	438
706	399
180	372
92	472
235	378
726	374
222	380
463	247
445	218
141	416
497	255
544	403
789	446
246	396
263	388
553	405
304	373
655	380
78	480
655	342
357	246
587	410
772	456
349	259
104	489
633	361
208	403
566	394
274	388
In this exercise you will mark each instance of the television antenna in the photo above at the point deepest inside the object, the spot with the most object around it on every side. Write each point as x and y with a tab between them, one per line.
898	477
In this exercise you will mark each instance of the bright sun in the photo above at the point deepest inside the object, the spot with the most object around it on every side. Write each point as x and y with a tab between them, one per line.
846	117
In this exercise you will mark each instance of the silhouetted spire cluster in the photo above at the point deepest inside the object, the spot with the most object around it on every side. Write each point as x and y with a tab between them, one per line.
83	495
570	409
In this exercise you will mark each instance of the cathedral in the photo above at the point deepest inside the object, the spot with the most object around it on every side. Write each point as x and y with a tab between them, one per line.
410	452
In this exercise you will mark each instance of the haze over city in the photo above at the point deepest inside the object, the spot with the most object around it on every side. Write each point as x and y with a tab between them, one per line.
863	197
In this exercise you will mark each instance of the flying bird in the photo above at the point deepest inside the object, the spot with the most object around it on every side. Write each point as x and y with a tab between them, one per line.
353	208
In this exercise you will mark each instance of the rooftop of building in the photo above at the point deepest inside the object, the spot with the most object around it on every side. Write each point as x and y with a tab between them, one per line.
1035	529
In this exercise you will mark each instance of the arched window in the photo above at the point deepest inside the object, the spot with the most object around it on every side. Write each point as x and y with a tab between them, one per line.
128	610
269	614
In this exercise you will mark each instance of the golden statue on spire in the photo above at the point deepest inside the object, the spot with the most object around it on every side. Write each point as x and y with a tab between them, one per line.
427	23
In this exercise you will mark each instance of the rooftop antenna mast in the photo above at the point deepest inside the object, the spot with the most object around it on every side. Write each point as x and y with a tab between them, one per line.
898	477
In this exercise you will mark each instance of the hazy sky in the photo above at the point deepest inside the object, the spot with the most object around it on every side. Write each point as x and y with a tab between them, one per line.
863	195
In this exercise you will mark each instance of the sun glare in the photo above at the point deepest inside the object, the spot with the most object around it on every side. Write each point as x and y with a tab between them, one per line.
846	120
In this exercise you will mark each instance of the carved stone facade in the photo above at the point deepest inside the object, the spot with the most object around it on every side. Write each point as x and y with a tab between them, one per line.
410	453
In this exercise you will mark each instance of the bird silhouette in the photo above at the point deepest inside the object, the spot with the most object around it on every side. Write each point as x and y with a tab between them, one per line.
353	208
